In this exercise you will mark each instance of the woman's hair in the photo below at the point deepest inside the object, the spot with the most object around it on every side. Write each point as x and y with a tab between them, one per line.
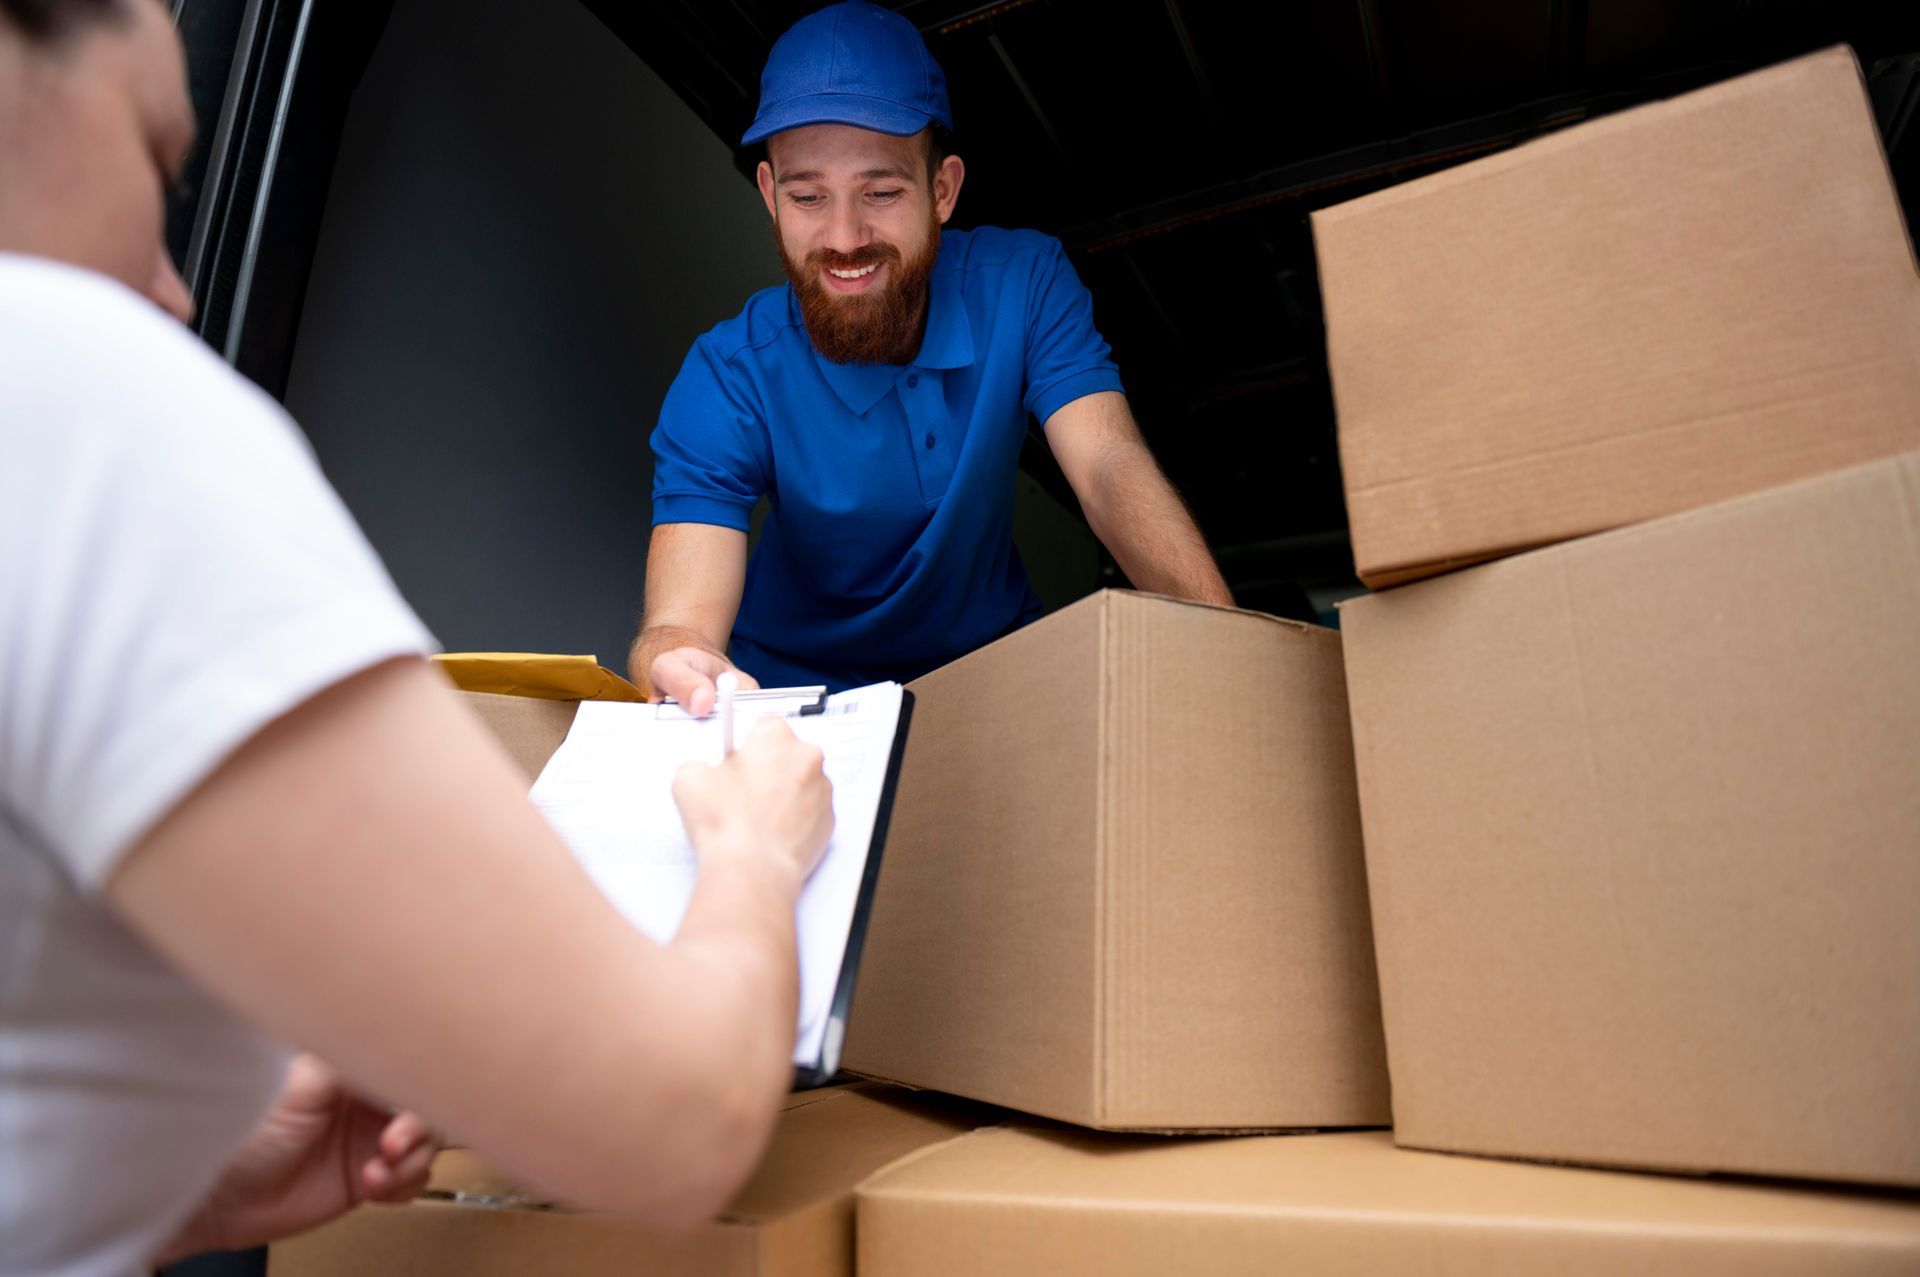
44	21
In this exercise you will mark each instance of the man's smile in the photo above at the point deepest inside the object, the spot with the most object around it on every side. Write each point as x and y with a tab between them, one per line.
856	280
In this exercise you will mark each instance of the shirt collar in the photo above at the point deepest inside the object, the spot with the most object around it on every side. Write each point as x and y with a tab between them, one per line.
948	343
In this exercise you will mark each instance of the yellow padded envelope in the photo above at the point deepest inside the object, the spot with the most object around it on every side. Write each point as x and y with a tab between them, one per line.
537	674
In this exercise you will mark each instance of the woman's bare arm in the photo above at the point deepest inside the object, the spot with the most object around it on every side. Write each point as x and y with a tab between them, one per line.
366	879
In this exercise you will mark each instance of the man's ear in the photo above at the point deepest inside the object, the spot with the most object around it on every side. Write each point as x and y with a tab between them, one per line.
946	186
764	176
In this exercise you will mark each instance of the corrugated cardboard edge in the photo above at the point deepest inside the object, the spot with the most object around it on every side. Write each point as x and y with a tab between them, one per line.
1903	471
1108	799
1642	1168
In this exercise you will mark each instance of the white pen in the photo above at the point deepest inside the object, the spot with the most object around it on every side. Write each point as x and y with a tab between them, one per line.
727	684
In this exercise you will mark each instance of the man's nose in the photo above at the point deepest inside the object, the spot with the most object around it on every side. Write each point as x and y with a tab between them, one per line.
847	229
167	290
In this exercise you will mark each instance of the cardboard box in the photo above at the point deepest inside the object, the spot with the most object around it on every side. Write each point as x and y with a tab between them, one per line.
793	1219
530	728
1643	835
1123	885
1012	1201
1655	311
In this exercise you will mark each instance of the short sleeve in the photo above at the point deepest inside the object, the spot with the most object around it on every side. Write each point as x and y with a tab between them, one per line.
1067	358
711	457
175	574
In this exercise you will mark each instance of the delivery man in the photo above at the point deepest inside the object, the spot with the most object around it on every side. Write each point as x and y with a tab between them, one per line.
879	400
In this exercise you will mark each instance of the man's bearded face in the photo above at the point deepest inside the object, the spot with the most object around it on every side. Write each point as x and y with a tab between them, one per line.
882	324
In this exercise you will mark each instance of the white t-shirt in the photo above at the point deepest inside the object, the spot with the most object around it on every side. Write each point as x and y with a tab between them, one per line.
174	574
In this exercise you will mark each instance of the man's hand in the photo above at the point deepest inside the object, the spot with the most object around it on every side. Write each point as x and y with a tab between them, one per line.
770	799
319	1152
687	674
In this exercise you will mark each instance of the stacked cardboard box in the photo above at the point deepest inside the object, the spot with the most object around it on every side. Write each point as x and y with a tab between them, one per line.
1642	810
1008	1200
1643	838
1661	309
1123	883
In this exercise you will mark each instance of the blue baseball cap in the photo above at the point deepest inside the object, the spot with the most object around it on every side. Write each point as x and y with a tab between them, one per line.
852	63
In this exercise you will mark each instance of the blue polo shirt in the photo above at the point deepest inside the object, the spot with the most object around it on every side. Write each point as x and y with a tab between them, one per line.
888	547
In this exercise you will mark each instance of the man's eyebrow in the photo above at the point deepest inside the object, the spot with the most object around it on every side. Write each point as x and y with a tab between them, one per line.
871	175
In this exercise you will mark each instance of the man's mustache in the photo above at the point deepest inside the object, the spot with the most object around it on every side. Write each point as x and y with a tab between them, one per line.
865	255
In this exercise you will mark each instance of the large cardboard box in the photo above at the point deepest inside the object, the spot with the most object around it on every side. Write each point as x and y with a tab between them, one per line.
1655	311
1123	885
1643	835
793	1219
1012	1201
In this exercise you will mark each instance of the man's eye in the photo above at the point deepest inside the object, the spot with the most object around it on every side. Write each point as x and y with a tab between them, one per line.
805	201
883	196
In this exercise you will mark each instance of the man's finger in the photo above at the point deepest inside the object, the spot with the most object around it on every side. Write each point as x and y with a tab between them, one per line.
676	674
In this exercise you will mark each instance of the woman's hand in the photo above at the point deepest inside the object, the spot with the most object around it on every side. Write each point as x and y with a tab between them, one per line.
319	1152
770	800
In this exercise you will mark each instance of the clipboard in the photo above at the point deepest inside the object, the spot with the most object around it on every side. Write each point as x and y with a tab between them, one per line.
607	791
806	1077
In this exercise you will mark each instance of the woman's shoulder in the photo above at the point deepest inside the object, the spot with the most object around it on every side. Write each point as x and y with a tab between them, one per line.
85	361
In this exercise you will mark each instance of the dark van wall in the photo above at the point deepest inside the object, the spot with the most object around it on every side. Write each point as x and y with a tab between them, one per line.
525	232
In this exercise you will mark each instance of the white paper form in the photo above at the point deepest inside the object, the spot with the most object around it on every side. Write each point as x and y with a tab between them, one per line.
608	791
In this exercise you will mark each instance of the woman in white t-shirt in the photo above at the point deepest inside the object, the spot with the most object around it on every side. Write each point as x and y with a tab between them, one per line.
237	809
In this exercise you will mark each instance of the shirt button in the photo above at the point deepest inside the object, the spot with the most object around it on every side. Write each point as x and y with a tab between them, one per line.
913	379
929	439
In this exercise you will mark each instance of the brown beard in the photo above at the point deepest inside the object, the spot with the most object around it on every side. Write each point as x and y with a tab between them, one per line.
881	326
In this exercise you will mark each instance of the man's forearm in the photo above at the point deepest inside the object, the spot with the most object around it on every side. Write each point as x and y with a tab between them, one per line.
1146	527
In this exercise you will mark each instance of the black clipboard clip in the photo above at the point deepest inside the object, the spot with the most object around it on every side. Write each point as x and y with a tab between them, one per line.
814	699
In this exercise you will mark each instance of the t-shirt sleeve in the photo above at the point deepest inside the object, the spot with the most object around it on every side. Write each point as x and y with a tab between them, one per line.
1067	358
711	457
175	574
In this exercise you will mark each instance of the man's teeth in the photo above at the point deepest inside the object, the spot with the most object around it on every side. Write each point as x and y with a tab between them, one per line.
853	274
